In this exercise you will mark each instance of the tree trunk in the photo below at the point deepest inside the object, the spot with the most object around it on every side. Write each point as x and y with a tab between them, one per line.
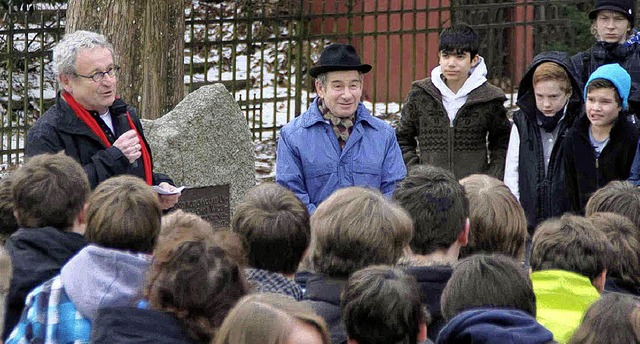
148	39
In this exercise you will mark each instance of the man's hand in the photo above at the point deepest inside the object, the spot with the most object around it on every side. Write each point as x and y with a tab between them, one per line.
168	201
129	145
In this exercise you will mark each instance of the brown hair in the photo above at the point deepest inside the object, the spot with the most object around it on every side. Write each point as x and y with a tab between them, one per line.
600	83
192	278
354	228
614	318
620	197
380	305
274	224
570	243
497	220
268	319
49	190
488	281
124	213
437	205
625	240
551	71
8	222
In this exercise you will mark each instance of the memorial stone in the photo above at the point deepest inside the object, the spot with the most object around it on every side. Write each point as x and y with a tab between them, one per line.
204	143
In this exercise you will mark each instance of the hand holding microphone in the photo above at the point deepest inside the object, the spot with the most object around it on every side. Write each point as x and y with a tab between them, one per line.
130	146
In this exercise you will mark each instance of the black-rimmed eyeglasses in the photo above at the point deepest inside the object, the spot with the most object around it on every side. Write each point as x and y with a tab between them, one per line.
98	76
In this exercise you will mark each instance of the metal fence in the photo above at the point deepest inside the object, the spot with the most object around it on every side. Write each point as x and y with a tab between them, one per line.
261	50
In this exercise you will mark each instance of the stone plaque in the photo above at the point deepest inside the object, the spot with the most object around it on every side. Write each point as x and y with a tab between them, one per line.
210	202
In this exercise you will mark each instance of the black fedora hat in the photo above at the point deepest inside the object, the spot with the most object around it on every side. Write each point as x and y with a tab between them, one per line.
621	6
338	57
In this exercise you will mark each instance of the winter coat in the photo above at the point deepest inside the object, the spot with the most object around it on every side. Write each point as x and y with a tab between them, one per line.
432	280
562	298
541	195
137	326
62	309
37	254
584	173
601	53
461	146
311	164
323	296
494	326
61	129
617	285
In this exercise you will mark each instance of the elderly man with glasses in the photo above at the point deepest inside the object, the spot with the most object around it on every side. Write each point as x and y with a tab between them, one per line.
89	122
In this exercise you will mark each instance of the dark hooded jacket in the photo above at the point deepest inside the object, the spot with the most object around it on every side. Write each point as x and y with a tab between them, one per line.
37	254
432	280
542	196
323	296
137	326
601	53
495	326
584	172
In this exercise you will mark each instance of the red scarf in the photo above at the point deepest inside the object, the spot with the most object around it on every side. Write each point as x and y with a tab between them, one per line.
84	115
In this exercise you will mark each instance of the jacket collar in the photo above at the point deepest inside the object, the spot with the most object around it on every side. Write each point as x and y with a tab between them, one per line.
70	123
324	289
313	116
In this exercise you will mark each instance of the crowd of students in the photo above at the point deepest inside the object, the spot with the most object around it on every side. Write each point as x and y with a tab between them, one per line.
443	261
498	233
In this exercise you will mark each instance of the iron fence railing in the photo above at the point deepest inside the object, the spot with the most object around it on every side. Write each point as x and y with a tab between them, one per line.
261	50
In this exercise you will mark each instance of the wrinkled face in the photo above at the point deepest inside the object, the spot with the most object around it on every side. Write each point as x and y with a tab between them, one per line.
342	92
550	98
456	66
93	96
304	333
602	107
612	27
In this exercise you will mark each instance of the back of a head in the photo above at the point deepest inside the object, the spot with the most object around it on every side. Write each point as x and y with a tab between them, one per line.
437	204
271	319
488	282
49	190
620	197
497	223
613	319
625	240
124	213
192	278
8	222
354	228
460	38
570	243
381	305
274	224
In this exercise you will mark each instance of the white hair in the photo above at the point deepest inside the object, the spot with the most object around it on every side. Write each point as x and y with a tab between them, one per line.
66	51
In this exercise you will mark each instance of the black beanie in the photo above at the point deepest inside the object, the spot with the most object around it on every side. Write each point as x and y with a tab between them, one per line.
621	6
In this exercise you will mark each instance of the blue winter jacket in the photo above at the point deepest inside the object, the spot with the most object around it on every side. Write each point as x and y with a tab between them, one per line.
311	164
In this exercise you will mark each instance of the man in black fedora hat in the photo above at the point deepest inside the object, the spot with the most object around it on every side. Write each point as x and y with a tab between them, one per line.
337	143
616	42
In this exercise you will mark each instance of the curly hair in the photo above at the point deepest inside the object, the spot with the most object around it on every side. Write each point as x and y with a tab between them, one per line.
193	279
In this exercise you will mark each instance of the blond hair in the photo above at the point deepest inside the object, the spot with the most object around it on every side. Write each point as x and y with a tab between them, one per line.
124	213
357	227
268	319
496	218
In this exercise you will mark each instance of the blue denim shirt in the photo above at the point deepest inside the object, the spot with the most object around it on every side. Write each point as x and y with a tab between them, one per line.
311	164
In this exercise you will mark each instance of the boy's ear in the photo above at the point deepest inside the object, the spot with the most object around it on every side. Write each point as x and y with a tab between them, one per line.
422	332
463	237
600	281
475	60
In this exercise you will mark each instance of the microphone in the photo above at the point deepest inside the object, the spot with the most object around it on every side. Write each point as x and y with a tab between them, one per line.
123	126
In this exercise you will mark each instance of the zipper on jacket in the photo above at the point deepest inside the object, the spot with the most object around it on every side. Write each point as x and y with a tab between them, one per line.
451	135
